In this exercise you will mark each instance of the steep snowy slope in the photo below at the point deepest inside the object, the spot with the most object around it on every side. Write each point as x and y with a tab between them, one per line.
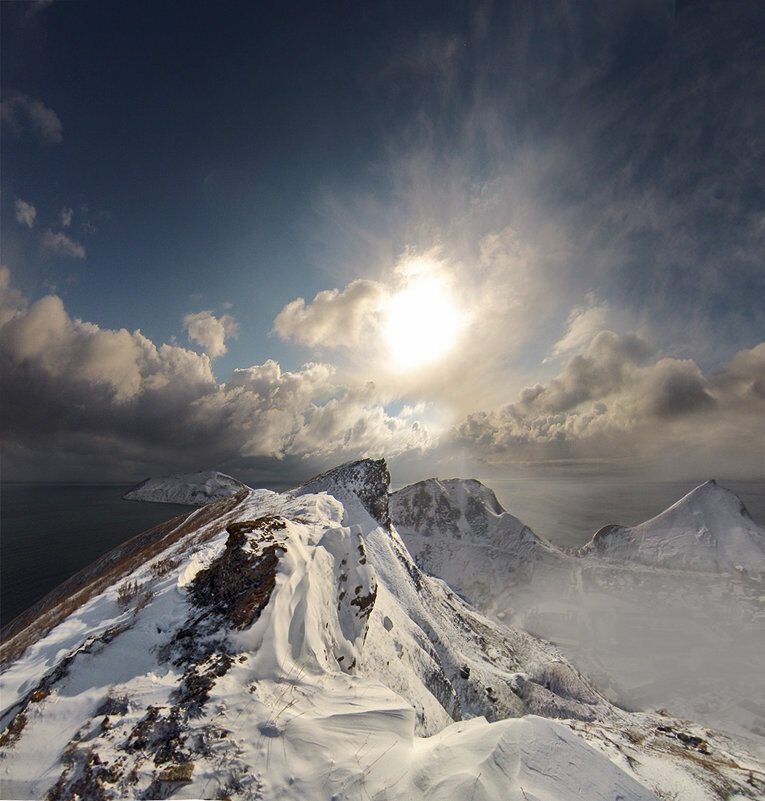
286	646
457	530
709	530
195	489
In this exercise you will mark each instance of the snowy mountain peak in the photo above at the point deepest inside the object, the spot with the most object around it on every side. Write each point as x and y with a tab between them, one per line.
195	489
708	529
366	479
454	506
456	529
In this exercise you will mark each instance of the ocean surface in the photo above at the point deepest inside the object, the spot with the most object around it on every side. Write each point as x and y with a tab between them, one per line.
50	531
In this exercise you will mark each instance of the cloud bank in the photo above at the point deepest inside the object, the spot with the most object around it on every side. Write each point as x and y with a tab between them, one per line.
75	390
620	400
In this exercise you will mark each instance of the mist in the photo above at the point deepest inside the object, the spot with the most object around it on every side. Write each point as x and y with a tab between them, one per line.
654	639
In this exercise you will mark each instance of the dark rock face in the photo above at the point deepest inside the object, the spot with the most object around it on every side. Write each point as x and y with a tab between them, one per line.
367	479
239	583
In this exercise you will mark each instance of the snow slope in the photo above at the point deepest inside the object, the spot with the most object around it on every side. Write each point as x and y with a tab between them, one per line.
457	530
195	489
287	646
709	529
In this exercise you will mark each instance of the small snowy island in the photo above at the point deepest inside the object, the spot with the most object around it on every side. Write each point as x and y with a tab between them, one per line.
194	489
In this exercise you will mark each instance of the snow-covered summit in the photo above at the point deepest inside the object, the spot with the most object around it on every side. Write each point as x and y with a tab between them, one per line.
195	489
456	529
709	529
368	480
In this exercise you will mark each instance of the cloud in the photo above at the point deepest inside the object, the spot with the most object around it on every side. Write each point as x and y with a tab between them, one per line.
582	325
20	112
76	391
61	244
210	331
66	217
334	318
25	213
12	302
617	400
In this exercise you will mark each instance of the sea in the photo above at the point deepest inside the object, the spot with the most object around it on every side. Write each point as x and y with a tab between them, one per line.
50	531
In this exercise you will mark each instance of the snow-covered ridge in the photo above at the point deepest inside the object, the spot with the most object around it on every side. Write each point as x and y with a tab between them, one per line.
709	529
194	489
288	647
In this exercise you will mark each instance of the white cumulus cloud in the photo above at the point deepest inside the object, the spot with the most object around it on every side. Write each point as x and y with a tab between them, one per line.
211	332
334	318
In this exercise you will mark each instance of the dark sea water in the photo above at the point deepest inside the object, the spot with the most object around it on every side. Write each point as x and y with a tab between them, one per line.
50	531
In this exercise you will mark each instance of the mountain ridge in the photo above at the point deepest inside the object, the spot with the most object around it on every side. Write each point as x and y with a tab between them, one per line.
287	646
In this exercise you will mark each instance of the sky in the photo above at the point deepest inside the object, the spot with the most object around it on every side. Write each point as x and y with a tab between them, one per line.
476	238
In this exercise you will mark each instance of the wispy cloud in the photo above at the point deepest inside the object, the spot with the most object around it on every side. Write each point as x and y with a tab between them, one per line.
26	213
61	244
20	113
66	217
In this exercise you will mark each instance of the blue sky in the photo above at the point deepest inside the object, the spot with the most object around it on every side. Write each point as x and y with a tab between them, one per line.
580	183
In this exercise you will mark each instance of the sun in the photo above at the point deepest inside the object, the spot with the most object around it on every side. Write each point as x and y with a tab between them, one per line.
422	322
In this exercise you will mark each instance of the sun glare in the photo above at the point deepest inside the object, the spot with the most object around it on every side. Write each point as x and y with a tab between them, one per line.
422	323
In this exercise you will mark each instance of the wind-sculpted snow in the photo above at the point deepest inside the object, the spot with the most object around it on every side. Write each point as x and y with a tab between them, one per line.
708	530
290	648
195	489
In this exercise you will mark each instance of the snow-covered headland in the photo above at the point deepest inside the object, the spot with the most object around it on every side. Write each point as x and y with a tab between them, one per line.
194	489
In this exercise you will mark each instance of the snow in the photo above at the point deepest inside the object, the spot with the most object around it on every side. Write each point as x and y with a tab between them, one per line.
194	489
355	675
707	530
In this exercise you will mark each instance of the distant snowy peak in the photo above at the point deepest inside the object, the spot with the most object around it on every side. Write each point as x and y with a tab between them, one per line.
709	529
195	489
457	530
365	479
460	508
